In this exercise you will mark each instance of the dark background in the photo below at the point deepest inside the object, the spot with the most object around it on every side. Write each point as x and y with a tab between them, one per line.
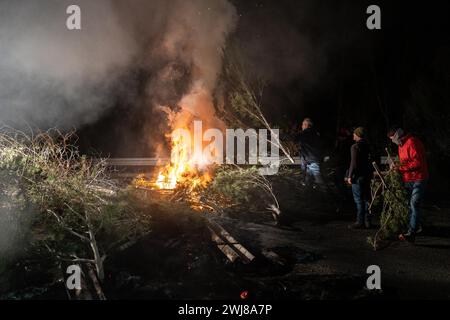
321	61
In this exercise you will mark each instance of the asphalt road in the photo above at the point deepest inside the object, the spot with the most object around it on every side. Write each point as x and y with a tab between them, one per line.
408	271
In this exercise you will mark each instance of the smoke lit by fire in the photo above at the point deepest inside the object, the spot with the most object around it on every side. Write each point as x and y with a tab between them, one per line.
188	166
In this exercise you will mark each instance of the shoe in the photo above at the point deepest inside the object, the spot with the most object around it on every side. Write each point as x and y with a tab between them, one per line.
356	226
409	236
367	224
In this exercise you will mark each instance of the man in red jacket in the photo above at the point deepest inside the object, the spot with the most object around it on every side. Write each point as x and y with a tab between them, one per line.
414	169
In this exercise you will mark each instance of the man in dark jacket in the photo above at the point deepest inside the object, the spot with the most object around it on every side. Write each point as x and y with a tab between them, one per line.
414	169
311	152
359	175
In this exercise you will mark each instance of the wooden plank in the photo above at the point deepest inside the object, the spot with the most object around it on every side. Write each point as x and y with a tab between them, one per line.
226	239
226	249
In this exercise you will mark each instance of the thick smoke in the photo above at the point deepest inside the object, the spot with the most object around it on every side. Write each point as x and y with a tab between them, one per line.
199	42
50	76
53	77
182	53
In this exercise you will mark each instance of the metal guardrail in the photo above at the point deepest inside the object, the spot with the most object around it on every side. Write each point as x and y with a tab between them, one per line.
137	162
152	162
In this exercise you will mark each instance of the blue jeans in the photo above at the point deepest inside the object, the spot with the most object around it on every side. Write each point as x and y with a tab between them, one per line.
313	173
416	192
361	195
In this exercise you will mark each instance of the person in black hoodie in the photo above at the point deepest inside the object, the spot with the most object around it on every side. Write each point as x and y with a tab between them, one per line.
311	153
359	175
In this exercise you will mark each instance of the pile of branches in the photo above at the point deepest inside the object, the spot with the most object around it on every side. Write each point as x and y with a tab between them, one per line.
228	187
79	214
389	194
245	186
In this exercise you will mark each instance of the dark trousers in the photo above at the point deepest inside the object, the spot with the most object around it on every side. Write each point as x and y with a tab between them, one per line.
361	195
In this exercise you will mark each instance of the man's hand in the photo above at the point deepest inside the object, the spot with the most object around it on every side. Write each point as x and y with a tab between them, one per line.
348	180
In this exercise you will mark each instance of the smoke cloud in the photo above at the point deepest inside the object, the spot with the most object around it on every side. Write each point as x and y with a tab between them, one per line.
139	53
196	36
51	76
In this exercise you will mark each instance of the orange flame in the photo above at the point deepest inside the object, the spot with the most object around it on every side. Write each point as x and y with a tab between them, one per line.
184	168
173	172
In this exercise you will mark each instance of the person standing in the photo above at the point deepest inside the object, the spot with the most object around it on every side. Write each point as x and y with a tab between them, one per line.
414	169
359	176
311	153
